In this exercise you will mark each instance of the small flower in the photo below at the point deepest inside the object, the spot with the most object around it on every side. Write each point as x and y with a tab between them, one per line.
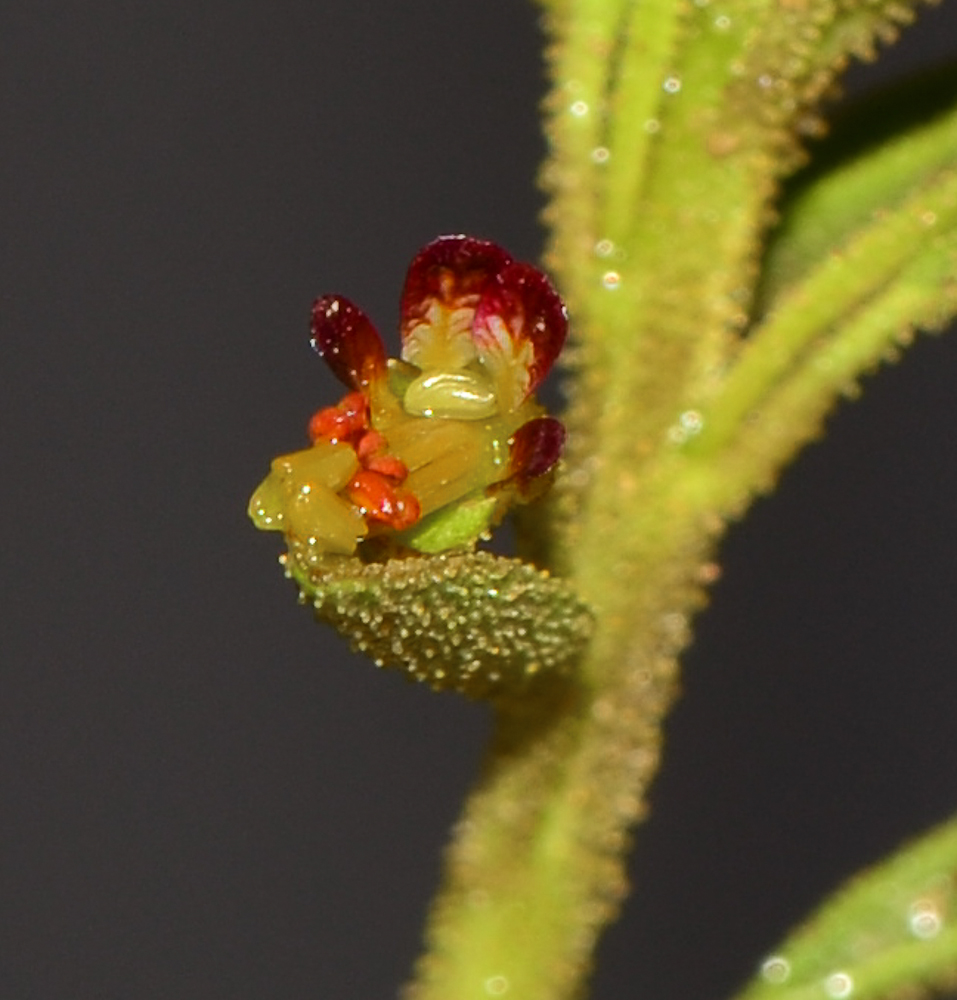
427	452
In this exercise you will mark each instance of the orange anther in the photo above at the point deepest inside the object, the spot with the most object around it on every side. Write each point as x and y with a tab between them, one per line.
328	423
350	416
355	405
389	466
373	495
408	510
369	444
379	501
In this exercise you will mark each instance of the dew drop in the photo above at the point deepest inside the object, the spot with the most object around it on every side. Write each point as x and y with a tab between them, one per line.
775	969
924	920
579	108
578	478
691	422
672	85
838	985
722	22
652	126
687	426
611	280
600	154
604	248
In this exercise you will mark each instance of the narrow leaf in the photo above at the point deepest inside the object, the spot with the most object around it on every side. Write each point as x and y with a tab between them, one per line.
890	931
853	310
879	151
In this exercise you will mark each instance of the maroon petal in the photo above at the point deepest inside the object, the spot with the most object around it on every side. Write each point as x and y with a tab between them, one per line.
442	288
519	328
344	337
534	449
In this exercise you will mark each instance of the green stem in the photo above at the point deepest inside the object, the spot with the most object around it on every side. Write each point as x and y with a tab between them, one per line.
536	868
647	57
580	57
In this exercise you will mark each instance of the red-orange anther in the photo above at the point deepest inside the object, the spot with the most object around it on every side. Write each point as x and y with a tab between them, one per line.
338	423
369	444
408	510
373	495
379	500
389	466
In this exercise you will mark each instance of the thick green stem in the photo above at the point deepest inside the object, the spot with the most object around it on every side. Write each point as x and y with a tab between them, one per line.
536	866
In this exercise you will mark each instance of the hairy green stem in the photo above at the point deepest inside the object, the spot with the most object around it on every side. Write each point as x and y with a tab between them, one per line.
536	866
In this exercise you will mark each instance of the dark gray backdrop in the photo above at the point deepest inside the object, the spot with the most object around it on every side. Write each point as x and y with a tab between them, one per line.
203	794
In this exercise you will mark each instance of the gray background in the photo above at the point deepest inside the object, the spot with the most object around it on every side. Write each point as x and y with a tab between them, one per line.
202	794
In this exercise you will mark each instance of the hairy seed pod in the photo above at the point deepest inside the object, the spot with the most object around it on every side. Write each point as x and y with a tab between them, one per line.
471	622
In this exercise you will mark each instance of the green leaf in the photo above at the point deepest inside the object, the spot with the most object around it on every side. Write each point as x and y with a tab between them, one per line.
471	622
888	932
794	53
879	150
846	312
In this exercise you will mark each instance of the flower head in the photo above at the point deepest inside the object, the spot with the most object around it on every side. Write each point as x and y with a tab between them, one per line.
426	452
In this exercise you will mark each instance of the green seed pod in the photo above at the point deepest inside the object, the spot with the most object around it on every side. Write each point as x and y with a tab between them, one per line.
471	622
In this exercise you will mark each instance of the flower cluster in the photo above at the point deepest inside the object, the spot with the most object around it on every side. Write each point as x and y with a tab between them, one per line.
426	452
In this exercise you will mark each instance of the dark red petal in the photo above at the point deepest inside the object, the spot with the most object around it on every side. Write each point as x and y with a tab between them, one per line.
344	337
519	329
446	276
534	449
